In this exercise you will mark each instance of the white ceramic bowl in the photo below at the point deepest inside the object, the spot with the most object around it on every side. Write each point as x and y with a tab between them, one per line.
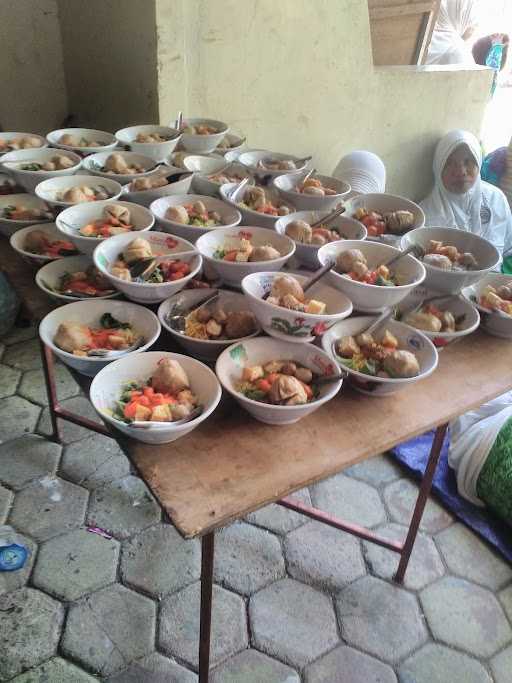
261	350
48	189
48	277
203	144
18	238
289	325
232	272
307	254
146	293
144	322
147	197
287	185
15	136
70	220
156	150
230	216
204	166
457	305
107	386
7	226
94	162
492	323
408	338
12	161
236	144
382	202
448	281
373	298
250	217
204	349
252	157
107	140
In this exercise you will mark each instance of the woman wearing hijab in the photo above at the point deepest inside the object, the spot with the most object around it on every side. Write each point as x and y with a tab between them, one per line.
456	22
364	171
460	199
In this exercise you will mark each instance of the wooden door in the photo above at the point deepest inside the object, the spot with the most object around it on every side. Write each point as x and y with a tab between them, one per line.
401	30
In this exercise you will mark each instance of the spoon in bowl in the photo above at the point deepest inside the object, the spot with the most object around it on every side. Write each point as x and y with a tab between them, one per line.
141	424
142	268
178	321
233	197
109	353
329	217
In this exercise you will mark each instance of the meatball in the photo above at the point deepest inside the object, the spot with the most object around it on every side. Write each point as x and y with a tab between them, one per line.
401	364
240	324
468	261
265	253
424	321
73	337
347	259
438	261
300	231
36	241
286	284
505	292
169	377
178	214
70	140
288	390
136	250
74	196
116	163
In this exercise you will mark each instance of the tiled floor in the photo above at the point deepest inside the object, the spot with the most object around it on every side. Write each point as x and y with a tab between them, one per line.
294	600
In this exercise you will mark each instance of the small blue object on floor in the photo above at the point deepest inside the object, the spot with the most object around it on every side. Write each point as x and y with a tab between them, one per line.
413	455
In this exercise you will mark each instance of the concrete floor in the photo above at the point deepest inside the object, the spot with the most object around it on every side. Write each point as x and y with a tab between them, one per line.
294	601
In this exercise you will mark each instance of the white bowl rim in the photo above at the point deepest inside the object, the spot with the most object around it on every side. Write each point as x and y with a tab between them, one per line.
458	333
146	125
196	120
148	286
208	342
169	425
288	255
96	359
457	231
297	176
316	247
306	316
30	222
129	206
239	208
396	288
392	380
29	254
330	392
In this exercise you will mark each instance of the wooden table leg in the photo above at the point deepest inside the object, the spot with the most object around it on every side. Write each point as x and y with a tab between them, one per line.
426	485
207	559
51	390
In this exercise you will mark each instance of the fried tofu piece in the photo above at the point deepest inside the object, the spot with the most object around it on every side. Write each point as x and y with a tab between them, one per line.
161	413
316	307
389	340
348	347
142	413
252	374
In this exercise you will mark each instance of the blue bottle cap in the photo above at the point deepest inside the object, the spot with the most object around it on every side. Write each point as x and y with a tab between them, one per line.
12	557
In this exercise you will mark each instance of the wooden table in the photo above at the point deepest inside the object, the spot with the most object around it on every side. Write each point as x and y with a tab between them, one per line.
231	464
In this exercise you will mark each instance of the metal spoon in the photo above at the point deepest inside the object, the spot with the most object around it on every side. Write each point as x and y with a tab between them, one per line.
141	424
414	249
329	217
312	280
144	267
178	321
327	379
104	353
233	197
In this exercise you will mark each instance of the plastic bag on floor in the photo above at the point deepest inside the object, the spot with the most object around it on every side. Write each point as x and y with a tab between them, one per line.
472	437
